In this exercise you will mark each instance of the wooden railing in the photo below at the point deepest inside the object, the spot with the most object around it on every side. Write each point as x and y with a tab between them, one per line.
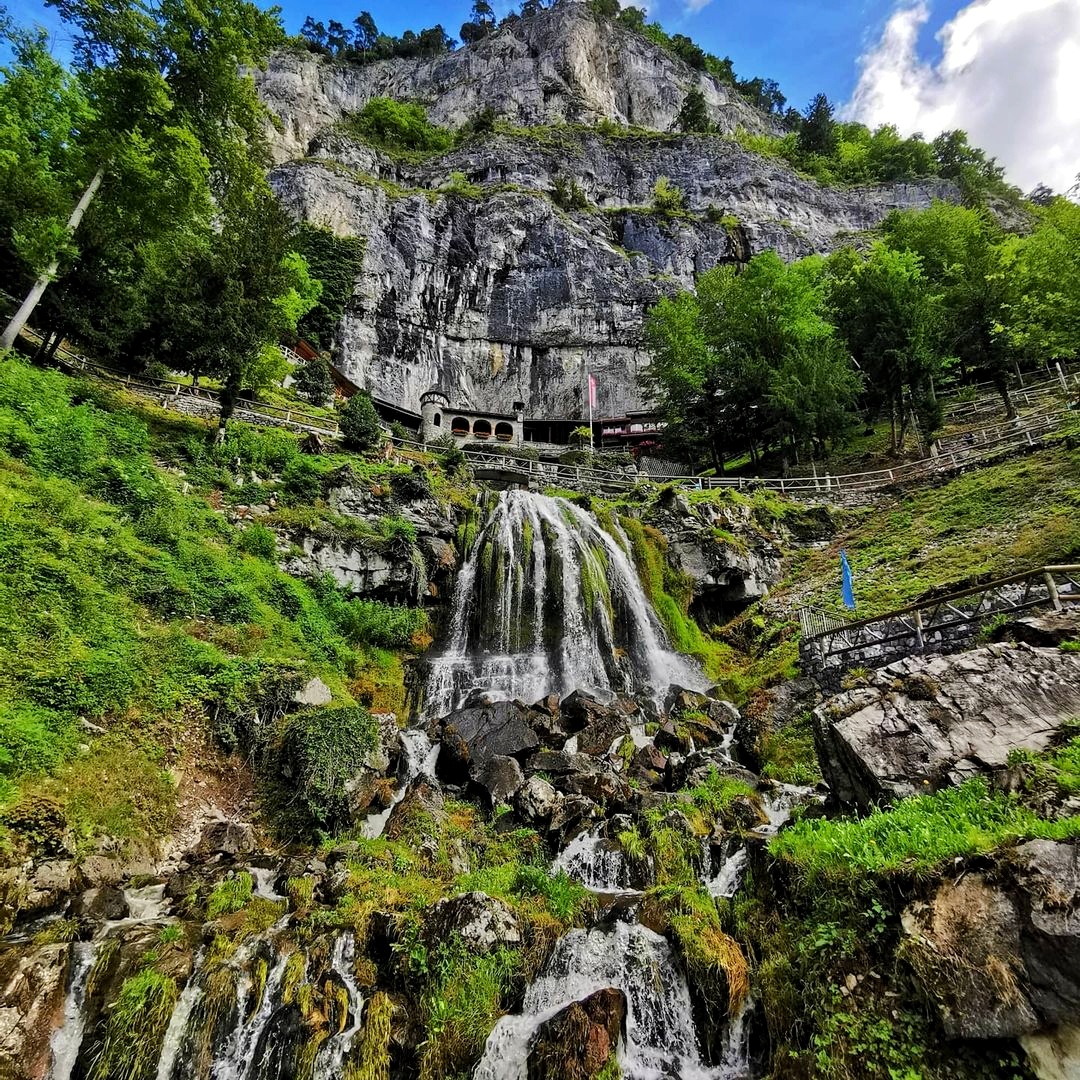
834	642
984	445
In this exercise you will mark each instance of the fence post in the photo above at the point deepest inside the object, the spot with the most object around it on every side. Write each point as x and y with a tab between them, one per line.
1052	589
920	640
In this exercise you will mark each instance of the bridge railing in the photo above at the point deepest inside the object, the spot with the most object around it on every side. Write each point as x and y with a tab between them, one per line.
933	624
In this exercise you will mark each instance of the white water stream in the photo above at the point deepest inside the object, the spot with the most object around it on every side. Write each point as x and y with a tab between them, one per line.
547	601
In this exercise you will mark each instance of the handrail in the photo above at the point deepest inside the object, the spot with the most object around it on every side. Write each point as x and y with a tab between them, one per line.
937	601
1016	432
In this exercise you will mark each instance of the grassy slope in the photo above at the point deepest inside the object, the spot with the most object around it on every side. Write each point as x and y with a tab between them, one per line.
134	616
1021	513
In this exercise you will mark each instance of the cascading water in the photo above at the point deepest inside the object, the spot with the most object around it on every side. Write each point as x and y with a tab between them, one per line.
660	1035
68	1037
418	758
548	601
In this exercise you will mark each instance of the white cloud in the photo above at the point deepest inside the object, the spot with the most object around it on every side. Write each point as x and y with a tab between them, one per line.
1009	75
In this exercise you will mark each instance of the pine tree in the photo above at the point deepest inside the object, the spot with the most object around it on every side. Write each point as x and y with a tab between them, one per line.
359	423
694	114
817	134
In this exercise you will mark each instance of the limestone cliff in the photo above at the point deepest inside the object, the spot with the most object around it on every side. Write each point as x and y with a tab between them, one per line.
486	287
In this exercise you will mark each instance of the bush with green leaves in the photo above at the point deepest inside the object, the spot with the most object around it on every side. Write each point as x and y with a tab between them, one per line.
401	126
312	380
668	199
359	423
322	750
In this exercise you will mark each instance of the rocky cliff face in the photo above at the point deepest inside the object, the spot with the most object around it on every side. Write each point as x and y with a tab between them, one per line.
490	290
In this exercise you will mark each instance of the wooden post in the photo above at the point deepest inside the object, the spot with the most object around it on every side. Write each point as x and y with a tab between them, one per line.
920	640
1052	589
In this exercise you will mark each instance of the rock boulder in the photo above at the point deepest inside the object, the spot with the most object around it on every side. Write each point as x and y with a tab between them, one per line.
928	722
578	1041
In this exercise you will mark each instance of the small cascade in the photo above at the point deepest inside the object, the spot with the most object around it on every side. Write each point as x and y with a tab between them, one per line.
146	904
247	1038
263	883
660	1034
730	875
67	1039
596	862
547	601
178	1025
418	758
331	1059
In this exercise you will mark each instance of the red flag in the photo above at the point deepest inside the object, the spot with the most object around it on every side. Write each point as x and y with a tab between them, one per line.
592	391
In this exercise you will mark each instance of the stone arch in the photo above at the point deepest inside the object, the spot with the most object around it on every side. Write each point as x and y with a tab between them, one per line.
481	429
504	432
459	425
437	420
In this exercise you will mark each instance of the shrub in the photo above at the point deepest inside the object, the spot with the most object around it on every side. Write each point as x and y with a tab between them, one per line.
322	751
312	380
229	896
399	126
359	423
567	194
259	541
667	198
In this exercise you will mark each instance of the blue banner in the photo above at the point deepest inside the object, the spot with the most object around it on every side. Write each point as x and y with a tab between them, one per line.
847	590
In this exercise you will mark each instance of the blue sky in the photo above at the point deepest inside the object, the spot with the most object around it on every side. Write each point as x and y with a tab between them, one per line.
806	45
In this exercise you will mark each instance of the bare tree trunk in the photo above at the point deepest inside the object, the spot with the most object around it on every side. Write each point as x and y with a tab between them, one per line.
18	321
1001	384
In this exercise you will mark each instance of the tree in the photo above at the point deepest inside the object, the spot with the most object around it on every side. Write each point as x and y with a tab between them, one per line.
365	33
337	37
734	364
970	169
174	123
889	317
694	114
312	379
1041	274
359	423
530	8
958	251
604	9
315	33
817	133
481	22
633	18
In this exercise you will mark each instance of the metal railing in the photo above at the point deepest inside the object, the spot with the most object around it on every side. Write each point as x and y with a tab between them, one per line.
834	642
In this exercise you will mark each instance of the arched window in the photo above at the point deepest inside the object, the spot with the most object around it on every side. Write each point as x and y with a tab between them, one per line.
481	429
504	431
438	420
459	425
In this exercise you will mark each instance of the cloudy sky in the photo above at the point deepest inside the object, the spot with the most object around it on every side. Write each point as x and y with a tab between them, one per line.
1008	71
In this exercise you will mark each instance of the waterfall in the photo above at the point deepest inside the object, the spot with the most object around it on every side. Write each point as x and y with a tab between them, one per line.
418	758
595	862
67	1039
331	1059
178	1023
546	602
660	1034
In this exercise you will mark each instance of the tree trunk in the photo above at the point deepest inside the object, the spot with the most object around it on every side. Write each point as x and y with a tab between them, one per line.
18	321
1001	384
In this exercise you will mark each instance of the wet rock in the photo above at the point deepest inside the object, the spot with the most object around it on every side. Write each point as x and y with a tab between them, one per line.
696	768
1001	958
500	778
536	801
924	723
420	811
99	905
602	730
226	837
580	710
483	922
1054	1055
32	993
314	692
49	885
472	737
673	738
577	1042
98	870
571	816
648	765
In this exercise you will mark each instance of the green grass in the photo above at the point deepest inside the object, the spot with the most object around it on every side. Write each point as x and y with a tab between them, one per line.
989	523
128	601
917	836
